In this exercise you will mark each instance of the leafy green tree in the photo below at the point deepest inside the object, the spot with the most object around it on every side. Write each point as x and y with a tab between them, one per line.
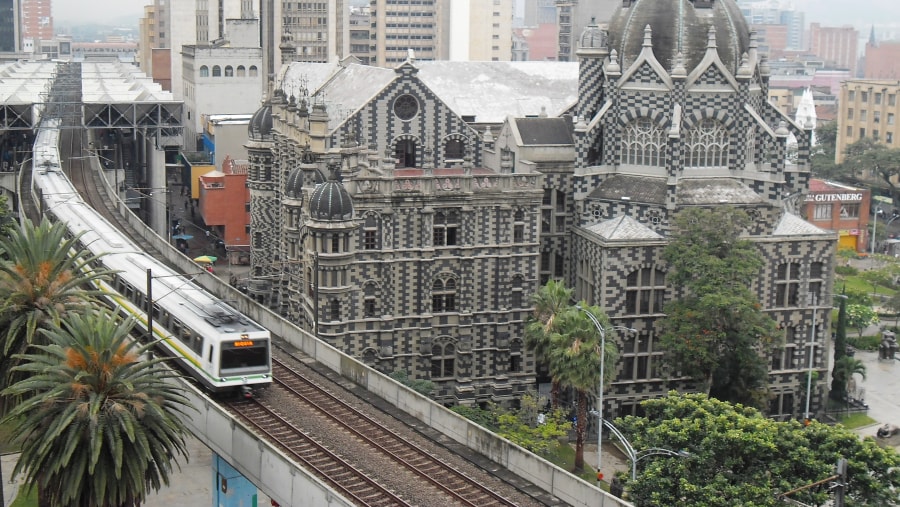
99	423
531	428
822	159
41	284
7	222
893	304
527	426
860	317
838	381
882	162
575	363
739	457
549	301
882	276
715	332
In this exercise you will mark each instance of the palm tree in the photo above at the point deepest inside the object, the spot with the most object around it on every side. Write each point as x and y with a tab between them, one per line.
99	423
575	363
549	301
845	368
44	278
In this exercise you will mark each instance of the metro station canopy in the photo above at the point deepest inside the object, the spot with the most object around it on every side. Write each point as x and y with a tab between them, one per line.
104	95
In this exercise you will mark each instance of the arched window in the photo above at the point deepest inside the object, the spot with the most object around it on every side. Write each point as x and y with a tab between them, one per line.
370	300
253	71
217	71
229	71
334	309
443	295
787	284
785	358
446	223
241	71
443	360
516	299
644	143
645	291
204	71
454	149
515	356
405	153
706	145
519	227
370	230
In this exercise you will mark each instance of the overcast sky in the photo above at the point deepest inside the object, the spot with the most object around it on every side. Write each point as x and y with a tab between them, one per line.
79	11
860	13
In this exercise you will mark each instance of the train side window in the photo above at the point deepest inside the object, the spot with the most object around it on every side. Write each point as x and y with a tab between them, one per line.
156	312
197	344
176	327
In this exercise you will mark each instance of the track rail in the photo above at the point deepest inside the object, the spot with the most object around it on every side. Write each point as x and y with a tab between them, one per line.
452	485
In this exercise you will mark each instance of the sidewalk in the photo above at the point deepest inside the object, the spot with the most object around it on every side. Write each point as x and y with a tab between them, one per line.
201	243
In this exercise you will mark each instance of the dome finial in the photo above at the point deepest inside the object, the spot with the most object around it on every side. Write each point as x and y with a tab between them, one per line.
613	66
648	42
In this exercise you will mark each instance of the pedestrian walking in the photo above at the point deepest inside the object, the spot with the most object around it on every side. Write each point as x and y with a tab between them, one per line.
185	204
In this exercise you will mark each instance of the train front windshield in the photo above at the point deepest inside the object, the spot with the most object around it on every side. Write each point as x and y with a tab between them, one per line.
244	356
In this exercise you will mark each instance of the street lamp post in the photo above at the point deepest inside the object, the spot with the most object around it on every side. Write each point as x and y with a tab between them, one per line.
600	388
812	343
635	456
874	226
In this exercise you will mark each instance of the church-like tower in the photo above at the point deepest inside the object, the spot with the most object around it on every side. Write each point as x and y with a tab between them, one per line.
673	113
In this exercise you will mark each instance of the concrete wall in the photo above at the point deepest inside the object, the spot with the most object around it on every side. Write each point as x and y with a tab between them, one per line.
543	474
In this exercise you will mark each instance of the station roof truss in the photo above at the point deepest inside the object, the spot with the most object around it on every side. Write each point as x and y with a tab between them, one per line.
109	95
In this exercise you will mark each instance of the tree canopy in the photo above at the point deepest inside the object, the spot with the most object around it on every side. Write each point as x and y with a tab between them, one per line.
736	456
716	331
99	422
42	282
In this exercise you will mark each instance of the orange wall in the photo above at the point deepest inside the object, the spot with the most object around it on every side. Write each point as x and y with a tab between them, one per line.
224	207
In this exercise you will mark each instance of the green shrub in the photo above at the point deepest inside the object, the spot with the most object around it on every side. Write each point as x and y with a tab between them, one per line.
869	343
846	270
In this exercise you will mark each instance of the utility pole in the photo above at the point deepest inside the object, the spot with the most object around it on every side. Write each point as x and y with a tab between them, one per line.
841	485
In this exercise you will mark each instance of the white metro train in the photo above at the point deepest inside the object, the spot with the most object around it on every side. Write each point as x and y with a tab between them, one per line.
215	344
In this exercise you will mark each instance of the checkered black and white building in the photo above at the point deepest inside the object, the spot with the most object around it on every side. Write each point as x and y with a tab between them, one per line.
406	215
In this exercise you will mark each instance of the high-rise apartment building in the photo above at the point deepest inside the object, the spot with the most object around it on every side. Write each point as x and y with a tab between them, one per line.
868	108
836	45
401	26
37	20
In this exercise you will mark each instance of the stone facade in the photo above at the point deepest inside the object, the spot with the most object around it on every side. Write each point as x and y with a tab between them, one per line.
411	234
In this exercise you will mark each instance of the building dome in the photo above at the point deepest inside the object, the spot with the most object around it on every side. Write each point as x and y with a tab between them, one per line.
293	186
331	201
593	37
260	127
680	26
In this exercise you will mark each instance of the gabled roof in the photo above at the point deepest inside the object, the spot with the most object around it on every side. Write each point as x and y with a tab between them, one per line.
623	228
792	225
641	189
487	91
544	131
698	191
